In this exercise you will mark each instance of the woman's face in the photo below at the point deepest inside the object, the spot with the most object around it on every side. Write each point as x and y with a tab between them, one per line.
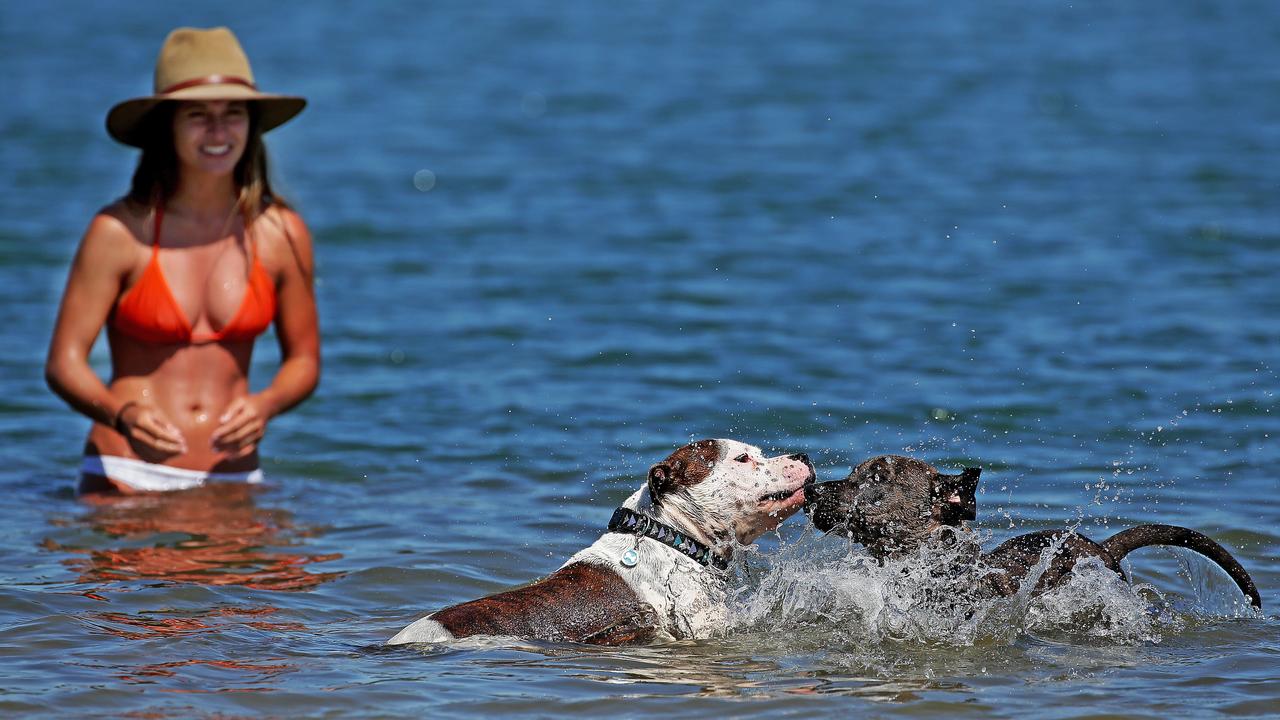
210	135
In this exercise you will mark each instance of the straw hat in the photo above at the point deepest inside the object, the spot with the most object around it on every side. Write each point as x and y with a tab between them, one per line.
199	64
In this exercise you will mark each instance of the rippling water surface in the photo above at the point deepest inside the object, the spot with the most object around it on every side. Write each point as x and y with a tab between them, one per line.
557	241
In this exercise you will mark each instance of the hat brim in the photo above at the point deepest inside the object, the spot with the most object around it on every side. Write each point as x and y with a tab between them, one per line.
124	121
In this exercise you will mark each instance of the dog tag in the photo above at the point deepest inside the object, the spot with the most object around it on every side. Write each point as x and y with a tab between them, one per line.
630	558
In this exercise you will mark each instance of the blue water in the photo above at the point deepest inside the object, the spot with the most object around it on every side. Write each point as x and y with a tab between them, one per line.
556	241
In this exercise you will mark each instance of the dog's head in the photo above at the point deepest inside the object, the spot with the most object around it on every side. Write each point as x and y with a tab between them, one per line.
891	504
728	490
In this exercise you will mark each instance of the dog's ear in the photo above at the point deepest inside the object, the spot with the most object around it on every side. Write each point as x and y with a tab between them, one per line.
661	481
687	466
954	497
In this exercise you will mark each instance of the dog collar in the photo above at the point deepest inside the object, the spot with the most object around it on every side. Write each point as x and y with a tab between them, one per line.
634	523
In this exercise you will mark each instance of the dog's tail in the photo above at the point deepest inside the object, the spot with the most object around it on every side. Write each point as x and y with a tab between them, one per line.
1126	541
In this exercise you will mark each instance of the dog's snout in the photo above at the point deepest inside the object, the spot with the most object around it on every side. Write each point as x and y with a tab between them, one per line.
822	505
812	492
808	465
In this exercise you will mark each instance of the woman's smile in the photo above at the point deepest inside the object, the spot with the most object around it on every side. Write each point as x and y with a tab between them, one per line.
211	135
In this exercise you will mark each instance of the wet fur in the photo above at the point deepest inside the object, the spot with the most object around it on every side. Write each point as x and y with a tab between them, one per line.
563	607
892	505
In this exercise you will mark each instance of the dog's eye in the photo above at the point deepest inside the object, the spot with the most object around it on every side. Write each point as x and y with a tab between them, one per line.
742	458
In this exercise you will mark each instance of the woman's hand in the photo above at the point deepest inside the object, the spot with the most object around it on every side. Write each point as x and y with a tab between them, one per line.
243	426
147	426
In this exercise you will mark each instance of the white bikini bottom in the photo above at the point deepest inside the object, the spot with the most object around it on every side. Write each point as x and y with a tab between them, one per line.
146	476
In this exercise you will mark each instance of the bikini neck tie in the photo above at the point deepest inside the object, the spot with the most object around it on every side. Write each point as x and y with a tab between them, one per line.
633	523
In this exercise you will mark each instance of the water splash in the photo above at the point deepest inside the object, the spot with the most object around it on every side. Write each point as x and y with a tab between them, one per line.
818	589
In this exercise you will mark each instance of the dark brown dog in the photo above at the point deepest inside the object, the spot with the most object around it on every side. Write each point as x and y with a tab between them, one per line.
892	505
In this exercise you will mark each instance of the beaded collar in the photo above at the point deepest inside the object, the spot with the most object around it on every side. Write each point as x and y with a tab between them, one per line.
634	523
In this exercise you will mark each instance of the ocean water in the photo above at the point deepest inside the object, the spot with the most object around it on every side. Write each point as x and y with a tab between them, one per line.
556	241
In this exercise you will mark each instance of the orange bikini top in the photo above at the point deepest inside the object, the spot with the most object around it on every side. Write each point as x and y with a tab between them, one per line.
148	311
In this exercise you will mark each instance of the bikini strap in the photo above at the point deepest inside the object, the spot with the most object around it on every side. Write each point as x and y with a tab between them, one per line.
250	239
155	230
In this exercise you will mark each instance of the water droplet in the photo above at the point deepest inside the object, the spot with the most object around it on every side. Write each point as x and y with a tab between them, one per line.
424	180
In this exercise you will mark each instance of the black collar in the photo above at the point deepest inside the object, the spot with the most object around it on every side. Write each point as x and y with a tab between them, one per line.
634	523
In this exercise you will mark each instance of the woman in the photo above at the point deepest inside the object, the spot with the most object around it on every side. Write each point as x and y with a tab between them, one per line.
185	272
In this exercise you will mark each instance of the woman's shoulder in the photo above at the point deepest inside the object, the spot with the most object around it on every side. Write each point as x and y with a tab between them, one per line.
114	241
279	222
119	224
283	238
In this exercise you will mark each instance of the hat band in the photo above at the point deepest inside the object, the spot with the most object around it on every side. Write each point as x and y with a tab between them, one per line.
209	80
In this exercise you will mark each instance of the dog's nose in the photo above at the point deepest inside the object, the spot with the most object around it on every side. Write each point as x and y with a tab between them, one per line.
801	457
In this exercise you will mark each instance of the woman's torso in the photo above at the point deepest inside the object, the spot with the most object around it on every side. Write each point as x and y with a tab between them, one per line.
214	280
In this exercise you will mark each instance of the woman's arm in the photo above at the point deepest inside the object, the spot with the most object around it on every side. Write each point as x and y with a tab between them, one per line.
297	328
97	273
102	263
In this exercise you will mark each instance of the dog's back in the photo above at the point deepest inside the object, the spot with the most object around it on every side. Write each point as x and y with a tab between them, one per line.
580	602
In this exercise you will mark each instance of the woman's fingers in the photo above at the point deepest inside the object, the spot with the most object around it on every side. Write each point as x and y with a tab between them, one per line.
237	407
235	416
152	429
242	429
242	426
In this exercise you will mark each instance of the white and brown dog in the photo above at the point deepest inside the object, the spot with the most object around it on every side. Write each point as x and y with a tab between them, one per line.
658	573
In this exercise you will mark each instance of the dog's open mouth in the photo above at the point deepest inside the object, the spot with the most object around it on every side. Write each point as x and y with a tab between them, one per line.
781	495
